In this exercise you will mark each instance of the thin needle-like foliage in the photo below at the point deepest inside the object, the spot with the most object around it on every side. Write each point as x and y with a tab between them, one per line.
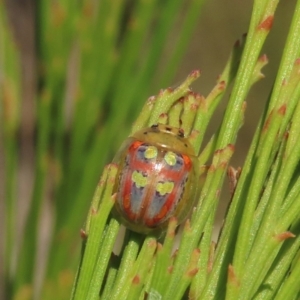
98	62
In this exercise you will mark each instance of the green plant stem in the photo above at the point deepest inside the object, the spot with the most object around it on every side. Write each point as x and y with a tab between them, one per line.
188	24
224	252
257	183
290	53
10	120
112	273
280	268
289	286
192	234
164	261
167	97
96	232
129	256
25	271
140	267
207	106
102	262
200	279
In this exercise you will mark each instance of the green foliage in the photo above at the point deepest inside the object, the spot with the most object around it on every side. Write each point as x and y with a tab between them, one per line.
97	59
97	63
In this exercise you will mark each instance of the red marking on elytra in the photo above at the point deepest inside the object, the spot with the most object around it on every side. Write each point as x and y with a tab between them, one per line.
162	213
267	23
135	145
166	208
126	202
127	185
170	269
135	203
187	162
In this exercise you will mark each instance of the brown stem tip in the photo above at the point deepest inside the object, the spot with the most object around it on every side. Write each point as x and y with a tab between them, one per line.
232	277
284	236
267	23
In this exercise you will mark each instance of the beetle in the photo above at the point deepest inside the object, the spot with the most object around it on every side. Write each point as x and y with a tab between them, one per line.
156	179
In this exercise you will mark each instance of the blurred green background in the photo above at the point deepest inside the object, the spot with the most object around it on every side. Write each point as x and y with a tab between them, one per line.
218	26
